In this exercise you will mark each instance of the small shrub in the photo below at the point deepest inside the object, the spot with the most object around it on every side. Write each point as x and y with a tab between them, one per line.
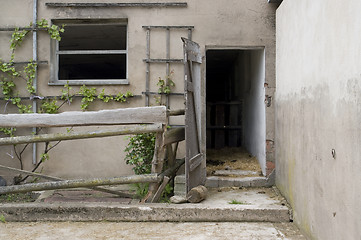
236	202
140	151
2	219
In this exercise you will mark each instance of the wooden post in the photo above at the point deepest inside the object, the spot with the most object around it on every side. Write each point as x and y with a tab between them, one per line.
157	163
120	194
197	194
147	178
123	130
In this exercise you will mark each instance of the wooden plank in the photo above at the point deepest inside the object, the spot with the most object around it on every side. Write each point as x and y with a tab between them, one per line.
174	135
219	134
147	71
195	170
165	60
157	164
195	161
146	178
120	194
177	112
123	130
193	53
168	27
233	122
161	188
136	4
104	117
208	124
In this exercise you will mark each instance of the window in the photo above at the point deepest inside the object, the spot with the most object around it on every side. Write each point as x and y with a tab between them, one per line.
91	52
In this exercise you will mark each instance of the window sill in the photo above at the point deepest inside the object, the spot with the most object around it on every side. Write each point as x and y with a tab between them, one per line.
89	82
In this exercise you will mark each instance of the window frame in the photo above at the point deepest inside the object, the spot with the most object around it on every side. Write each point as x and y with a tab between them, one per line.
55	53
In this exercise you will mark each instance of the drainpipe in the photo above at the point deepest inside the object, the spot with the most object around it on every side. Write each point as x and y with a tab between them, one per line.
35	58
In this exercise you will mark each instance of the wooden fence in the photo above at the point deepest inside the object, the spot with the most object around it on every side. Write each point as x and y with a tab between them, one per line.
131	121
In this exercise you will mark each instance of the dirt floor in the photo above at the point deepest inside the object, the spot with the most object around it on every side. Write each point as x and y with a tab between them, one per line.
232	162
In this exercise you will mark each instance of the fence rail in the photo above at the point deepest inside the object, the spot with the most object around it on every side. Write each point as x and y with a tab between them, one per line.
134	121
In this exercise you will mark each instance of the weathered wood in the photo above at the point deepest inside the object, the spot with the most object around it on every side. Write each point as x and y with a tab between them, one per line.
167	176
168	27
139	115
170	172
220	121
146	178
161	188
123	130
208	124
197	194
157	163
120	194
195	132
171	154
163	60
177	112
174	135
195	161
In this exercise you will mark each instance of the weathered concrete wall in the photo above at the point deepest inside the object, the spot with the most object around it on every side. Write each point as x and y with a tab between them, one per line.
219	24
254	109
318	113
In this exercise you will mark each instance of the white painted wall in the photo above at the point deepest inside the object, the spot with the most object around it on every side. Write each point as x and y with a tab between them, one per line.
318	109
254	115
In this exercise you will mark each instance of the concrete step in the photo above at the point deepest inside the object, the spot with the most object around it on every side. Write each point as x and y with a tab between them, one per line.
249	205
225	181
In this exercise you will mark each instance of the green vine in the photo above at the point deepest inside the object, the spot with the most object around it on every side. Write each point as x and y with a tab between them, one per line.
30	71
9	74
49	106
66	93
165	87
103	97
88	96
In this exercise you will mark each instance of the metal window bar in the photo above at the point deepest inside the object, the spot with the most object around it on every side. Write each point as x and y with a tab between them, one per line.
167	60
35	80
88	81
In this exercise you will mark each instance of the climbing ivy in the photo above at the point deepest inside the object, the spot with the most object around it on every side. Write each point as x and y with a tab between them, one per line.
165	87
9	75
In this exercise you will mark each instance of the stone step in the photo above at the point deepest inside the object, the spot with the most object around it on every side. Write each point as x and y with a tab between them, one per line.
222	181
221	205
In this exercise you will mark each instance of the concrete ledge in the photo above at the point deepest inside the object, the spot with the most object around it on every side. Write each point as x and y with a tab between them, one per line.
215	182
29	212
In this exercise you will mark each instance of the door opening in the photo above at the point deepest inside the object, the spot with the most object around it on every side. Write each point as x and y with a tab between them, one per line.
236	122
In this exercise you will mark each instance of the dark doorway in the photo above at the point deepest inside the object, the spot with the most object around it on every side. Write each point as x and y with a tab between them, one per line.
235	100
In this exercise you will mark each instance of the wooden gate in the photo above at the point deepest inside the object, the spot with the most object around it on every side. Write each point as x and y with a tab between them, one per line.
195	160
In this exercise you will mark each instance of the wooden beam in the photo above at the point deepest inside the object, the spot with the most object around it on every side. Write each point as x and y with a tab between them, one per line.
177	112
123	130
174	135
161	188
168	27
104	117
147	178
120	194
170	172
167	60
